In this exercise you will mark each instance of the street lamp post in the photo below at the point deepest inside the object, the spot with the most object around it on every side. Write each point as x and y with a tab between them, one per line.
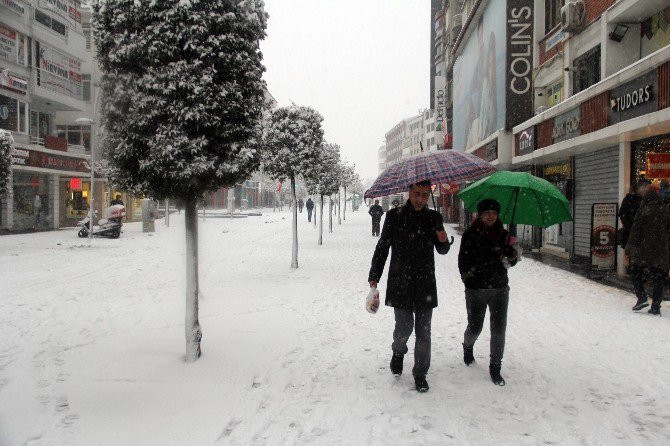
90	122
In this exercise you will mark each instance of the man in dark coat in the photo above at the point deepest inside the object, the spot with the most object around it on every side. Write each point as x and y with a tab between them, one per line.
413	231
301	204
376	212
310	207
483	260
628	209
648	250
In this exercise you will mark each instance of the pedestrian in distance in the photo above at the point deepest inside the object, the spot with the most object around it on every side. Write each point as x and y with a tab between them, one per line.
37	211
648	250
117	200
310	207
301	204
484	257
412	232
629	207
376	212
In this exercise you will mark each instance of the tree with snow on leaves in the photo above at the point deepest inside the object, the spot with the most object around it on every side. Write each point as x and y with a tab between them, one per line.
183	98
6	147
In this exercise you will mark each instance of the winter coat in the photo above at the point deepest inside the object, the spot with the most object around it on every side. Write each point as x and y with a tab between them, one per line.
412	236
301	203
480	259
627	211
310	204
649	236
376	212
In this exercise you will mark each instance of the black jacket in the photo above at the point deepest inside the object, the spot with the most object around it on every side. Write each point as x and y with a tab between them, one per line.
627	211
310	204
480	260
412	235
648	241
376	211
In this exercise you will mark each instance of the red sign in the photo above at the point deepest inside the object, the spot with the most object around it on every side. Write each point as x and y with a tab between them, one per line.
658	165
34	182
75	183
33	158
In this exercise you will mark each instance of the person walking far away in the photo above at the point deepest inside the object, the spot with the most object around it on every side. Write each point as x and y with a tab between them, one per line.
628	209
37	210
413	231
648	250
117	200
301	204
484	247
376	212
310	207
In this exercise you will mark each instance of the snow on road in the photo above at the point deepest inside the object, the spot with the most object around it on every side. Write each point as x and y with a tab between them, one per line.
92	348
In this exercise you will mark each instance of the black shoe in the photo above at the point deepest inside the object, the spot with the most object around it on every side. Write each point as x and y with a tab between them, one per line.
396	364
654	311
641	303
494	370
421	384
468	355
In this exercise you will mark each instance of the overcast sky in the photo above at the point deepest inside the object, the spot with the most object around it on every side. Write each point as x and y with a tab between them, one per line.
364	64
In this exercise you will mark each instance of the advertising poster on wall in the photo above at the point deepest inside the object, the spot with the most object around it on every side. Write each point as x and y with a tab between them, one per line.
603	236
479	80
7	43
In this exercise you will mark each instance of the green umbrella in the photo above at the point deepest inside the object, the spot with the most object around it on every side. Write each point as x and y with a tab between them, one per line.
524	199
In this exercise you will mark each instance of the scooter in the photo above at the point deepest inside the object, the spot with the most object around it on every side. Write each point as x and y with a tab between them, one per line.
109	227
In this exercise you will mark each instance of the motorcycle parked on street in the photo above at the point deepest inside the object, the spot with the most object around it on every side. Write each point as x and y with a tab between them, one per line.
109	227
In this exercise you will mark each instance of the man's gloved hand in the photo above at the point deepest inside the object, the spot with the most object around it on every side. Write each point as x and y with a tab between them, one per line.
508	251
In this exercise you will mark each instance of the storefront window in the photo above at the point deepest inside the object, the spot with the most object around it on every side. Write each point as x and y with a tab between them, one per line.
8	113
32	201
659	149
77	203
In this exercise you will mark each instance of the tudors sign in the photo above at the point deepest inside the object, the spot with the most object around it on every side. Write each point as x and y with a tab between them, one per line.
519	62
635	98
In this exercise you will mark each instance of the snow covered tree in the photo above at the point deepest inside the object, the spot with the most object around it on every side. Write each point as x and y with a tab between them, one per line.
183	98
6	147
292	140
325	180
347	177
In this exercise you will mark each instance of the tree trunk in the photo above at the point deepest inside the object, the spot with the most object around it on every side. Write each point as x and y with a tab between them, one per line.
344	212
192	325
339	207
167	212
294	257
330	215
321	223
316	210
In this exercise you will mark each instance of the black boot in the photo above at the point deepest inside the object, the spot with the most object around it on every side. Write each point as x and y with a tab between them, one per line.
421	384
494	370
655	310
468	355
396	364
641	303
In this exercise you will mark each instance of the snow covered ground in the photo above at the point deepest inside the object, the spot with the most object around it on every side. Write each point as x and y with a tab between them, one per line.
291	357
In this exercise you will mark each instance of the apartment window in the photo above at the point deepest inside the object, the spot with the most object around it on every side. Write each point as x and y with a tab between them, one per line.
587	70
76	135
554	94
51	23
30	52
86	87
8	113
552	14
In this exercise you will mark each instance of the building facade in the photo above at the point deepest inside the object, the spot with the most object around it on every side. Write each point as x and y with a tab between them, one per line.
42	44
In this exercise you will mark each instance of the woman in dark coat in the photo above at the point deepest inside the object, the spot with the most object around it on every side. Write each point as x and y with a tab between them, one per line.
414	232
483	260
649	251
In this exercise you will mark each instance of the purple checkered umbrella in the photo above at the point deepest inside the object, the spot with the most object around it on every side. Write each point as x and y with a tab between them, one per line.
442	166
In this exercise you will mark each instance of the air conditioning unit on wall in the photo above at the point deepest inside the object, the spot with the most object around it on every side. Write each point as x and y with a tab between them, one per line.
573	14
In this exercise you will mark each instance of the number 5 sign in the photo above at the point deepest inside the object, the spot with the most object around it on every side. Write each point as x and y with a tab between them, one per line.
603	236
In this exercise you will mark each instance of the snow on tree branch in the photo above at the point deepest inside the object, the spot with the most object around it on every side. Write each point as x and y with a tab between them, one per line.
6	147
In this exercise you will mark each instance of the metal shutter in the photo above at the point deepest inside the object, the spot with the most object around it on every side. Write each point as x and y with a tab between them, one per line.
596	181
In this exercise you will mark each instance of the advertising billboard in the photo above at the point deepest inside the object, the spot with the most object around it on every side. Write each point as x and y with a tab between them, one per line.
479	80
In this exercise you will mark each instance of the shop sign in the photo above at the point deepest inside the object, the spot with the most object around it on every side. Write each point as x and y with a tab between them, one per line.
33	158
13	83
563	169
526	141
567	125
603	236
635	98
13	6
59	72
440	103
7	43
492	150
554	40
519	96
658	165
20	156
75	183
